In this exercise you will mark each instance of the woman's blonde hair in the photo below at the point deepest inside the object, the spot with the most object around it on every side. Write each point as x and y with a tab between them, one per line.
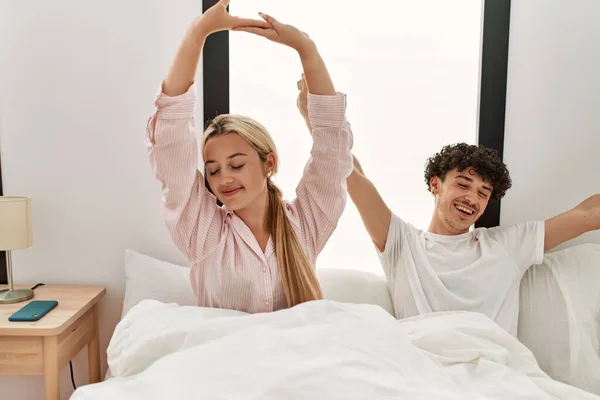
299	279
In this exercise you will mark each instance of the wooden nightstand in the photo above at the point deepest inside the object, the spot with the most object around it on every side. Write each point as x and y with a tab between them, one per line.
46	346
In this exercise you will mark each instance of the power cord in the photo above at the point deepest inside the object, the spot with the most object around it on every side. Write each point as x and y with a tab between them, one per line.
72	377
70	362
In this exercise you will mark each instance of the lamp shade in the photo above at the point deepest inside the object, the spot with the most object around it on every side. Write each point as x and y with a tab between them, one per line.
15	223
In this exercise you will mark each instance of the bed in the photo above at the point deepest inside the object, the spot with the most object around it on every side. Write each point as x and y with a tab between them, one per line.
350	345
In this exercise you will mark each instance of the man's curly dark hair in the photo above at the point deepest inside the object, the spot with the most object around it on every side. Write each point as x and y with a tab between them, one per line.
484	160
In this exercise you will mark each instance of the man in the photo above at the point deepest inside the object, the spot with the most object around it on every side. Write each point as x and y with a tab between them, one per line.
449	266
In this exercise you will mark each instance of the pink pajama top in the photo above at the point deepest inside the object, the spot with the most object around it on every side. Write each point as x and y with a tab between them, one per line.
228	268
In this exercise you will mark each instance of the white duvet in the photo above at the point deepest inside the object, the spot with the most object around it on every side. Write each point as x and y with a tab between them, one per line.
317	350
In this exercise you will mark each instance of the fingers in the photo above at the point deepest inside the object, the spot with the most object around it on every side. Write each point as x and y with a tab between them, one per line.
269	19
302	85
224	3
251	22
268	33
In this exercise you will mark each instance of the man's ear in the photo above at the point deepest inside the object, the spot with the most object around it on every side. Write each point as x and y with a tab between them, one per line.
434	184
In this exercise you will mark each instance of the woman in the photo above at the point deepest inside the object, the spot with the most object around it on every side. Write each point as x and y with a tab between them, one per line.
257	252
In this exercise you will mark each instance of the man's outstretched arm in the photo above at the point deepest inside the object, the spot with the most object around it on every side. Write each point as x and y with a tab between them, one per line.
375	214
583	218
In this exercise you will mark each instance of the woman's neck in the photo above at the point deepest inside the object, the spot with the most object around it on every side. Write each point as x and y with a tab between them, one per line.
255	217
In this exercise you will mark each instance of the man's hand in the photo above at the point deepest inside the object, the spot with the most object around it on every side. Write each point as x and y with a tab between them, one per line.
302	101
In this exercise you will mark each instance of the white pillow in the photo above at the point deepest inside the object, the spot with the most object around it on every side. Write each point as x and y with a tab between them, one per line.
351	286
560	315
149	278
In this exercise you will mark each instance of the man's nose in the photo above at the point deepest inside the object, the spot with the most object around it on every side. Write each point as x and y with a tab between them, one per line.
471	199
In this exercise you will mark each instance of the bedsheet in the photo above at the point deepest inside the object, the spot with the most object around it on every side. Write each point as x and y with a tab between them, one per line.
317	350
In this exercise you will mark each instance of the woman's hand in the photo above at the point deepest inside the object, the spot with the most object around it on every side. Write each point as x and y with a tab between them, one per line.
281	33
217	19
183	69
317	80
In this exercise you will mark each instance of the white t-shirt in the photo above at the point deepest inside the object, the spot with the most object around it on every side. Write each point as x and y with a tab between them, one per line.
476	271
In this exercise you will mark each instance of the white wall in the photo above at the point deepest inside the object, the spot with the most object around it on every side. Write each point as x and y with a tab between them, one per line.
78	81
552	140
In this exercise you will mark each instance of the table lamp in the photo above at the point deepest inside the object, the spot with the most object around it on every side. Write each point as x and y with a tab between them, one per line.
15	233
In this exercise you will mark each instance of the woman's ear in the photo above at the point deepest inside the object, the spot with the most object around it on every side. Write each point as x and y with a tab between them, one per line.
271	165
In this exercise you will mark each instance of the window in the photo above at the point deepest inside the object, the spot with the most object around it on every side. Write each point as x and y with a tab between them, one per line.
411	73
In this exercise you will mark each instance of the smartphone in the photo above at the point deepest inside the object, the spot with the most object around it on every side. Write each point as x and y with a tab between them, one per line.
34	311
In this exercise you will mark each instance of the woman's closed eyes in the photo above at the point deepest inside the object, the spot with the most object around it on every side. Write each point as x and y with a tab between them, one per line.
234	167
